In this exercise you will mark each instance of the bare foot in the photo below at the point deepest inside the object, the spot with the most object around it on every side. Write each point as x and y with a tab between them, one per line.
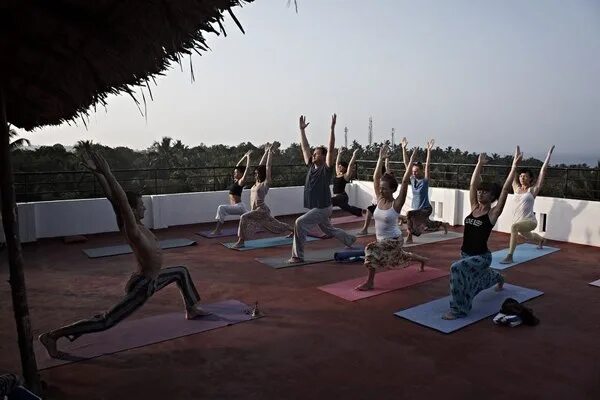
507	260
352	242
295	260
238	245
541	244
500	285
449	316
50	344
445	226
363	232
408	240
290	235
365	286
215	232
196	312
422	267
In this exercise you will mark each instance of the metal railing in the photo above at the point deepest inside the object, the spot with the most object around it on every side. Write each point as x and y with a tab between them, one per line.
576	183
573	183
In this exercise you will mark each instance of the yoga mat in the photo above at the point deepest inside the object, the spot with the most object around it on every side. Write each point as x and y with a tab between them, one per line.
485	304
126	249
346	219
433	237
595	283
384	282
523	253
20	393
232	231
131	334
265	242
310	257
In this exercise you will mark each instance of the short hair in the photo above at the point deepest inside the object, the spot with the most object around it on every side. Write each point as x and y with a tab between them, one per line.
526	171
261	171
418	164
391	180
133	198
241	168
344	164
492	187
323	149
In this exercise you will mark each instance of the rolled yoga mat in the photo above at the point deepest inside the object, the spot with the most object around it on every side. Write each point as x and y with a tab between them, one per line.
523	253
126	249
485	304
385	282
134	333
310	257
349	255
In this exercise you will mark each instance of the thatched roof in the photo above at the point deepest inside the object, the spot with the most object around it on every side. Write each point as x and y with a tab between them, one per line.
61	57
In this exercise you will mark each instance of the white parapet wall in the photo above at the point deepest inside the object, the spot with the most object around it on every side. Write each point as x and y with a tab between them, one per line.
575	221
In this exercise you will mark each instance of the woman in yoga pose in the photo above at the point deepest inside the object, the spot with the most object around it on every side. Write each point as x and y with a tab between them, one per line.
387	251
524	221
235	206
371	209
472	273
418	218
343	175
260	215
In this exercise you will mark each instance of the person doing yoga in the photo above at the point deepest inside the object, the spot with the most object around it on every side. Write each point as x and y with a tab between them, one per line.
149	276
260	215
235	206
344	171
387	250
472	273
418	218
371	209
524	221
317	195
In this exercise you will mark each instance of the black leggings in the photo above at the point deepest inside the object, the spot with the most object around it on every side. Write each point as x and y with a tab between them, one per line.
341	201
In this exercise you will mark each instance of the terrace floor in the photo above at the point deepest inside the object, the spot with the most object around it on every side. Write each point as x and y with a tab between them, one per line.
312	345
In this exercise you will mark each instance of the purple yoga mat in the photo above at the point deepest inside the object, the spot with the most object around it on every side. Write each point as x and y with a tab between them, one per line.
384	282
131	334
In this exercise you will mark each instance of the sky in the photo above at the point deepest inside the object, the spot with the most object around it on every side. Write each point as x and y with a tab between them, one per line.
477	75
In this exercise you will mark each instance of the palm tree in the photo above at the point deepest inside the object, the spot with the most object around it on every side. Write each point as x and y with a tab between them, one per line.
16	144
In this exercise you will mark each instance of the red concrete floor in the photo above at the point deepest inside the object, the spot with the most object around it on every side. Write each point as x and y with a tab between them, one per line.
313	345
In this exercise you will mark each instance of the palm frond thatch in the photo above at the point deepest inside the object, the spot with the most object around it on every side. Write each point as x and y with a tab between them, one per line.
62	57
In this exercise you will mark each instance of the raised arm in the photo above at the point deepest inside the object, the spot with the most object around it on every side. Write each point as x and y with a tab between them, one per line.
120	199
540	180
351	165
303	141
264	156
242	180
429	146
268	178
383	153
476	180
399	201
89	164
331	146
404	145
338	158
497	210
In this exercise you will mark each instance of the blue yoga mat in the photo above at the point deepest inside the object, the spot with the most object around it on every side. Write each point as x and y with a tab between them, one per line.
266	242
523	253
126	249
485	304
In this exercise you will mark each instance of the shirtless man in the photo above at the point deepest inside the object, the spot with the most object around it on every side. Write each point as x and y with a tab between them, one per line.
149	277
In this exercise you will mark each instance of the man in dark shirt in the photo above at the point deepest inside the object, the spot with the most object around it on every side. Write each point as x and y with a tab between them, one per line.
317	195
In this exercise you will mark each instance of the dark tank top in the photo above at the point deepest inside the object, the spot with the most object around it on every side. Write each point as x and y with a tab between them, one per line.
339	185
476	234
235	189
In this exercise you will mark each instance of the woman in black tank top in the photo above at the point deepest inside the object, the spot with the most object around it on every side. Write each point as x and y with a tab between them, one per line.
472	273
343	175
235	206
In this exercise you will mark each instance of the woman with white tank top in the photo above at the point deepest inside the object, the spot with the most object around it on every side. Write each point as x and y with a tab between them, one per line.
387	251
524	221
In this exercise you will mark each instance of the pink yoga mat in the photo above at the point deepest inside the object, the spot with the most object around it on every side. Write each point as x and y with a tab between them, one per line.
384	282
134	333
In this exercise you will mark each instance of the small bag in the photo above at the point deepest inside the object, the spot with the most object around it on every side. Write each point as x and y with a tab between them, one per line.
513	307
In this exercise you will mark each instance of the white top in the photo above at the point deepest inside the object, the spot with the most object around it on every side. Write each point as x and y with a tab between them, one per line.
524	207
386	224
